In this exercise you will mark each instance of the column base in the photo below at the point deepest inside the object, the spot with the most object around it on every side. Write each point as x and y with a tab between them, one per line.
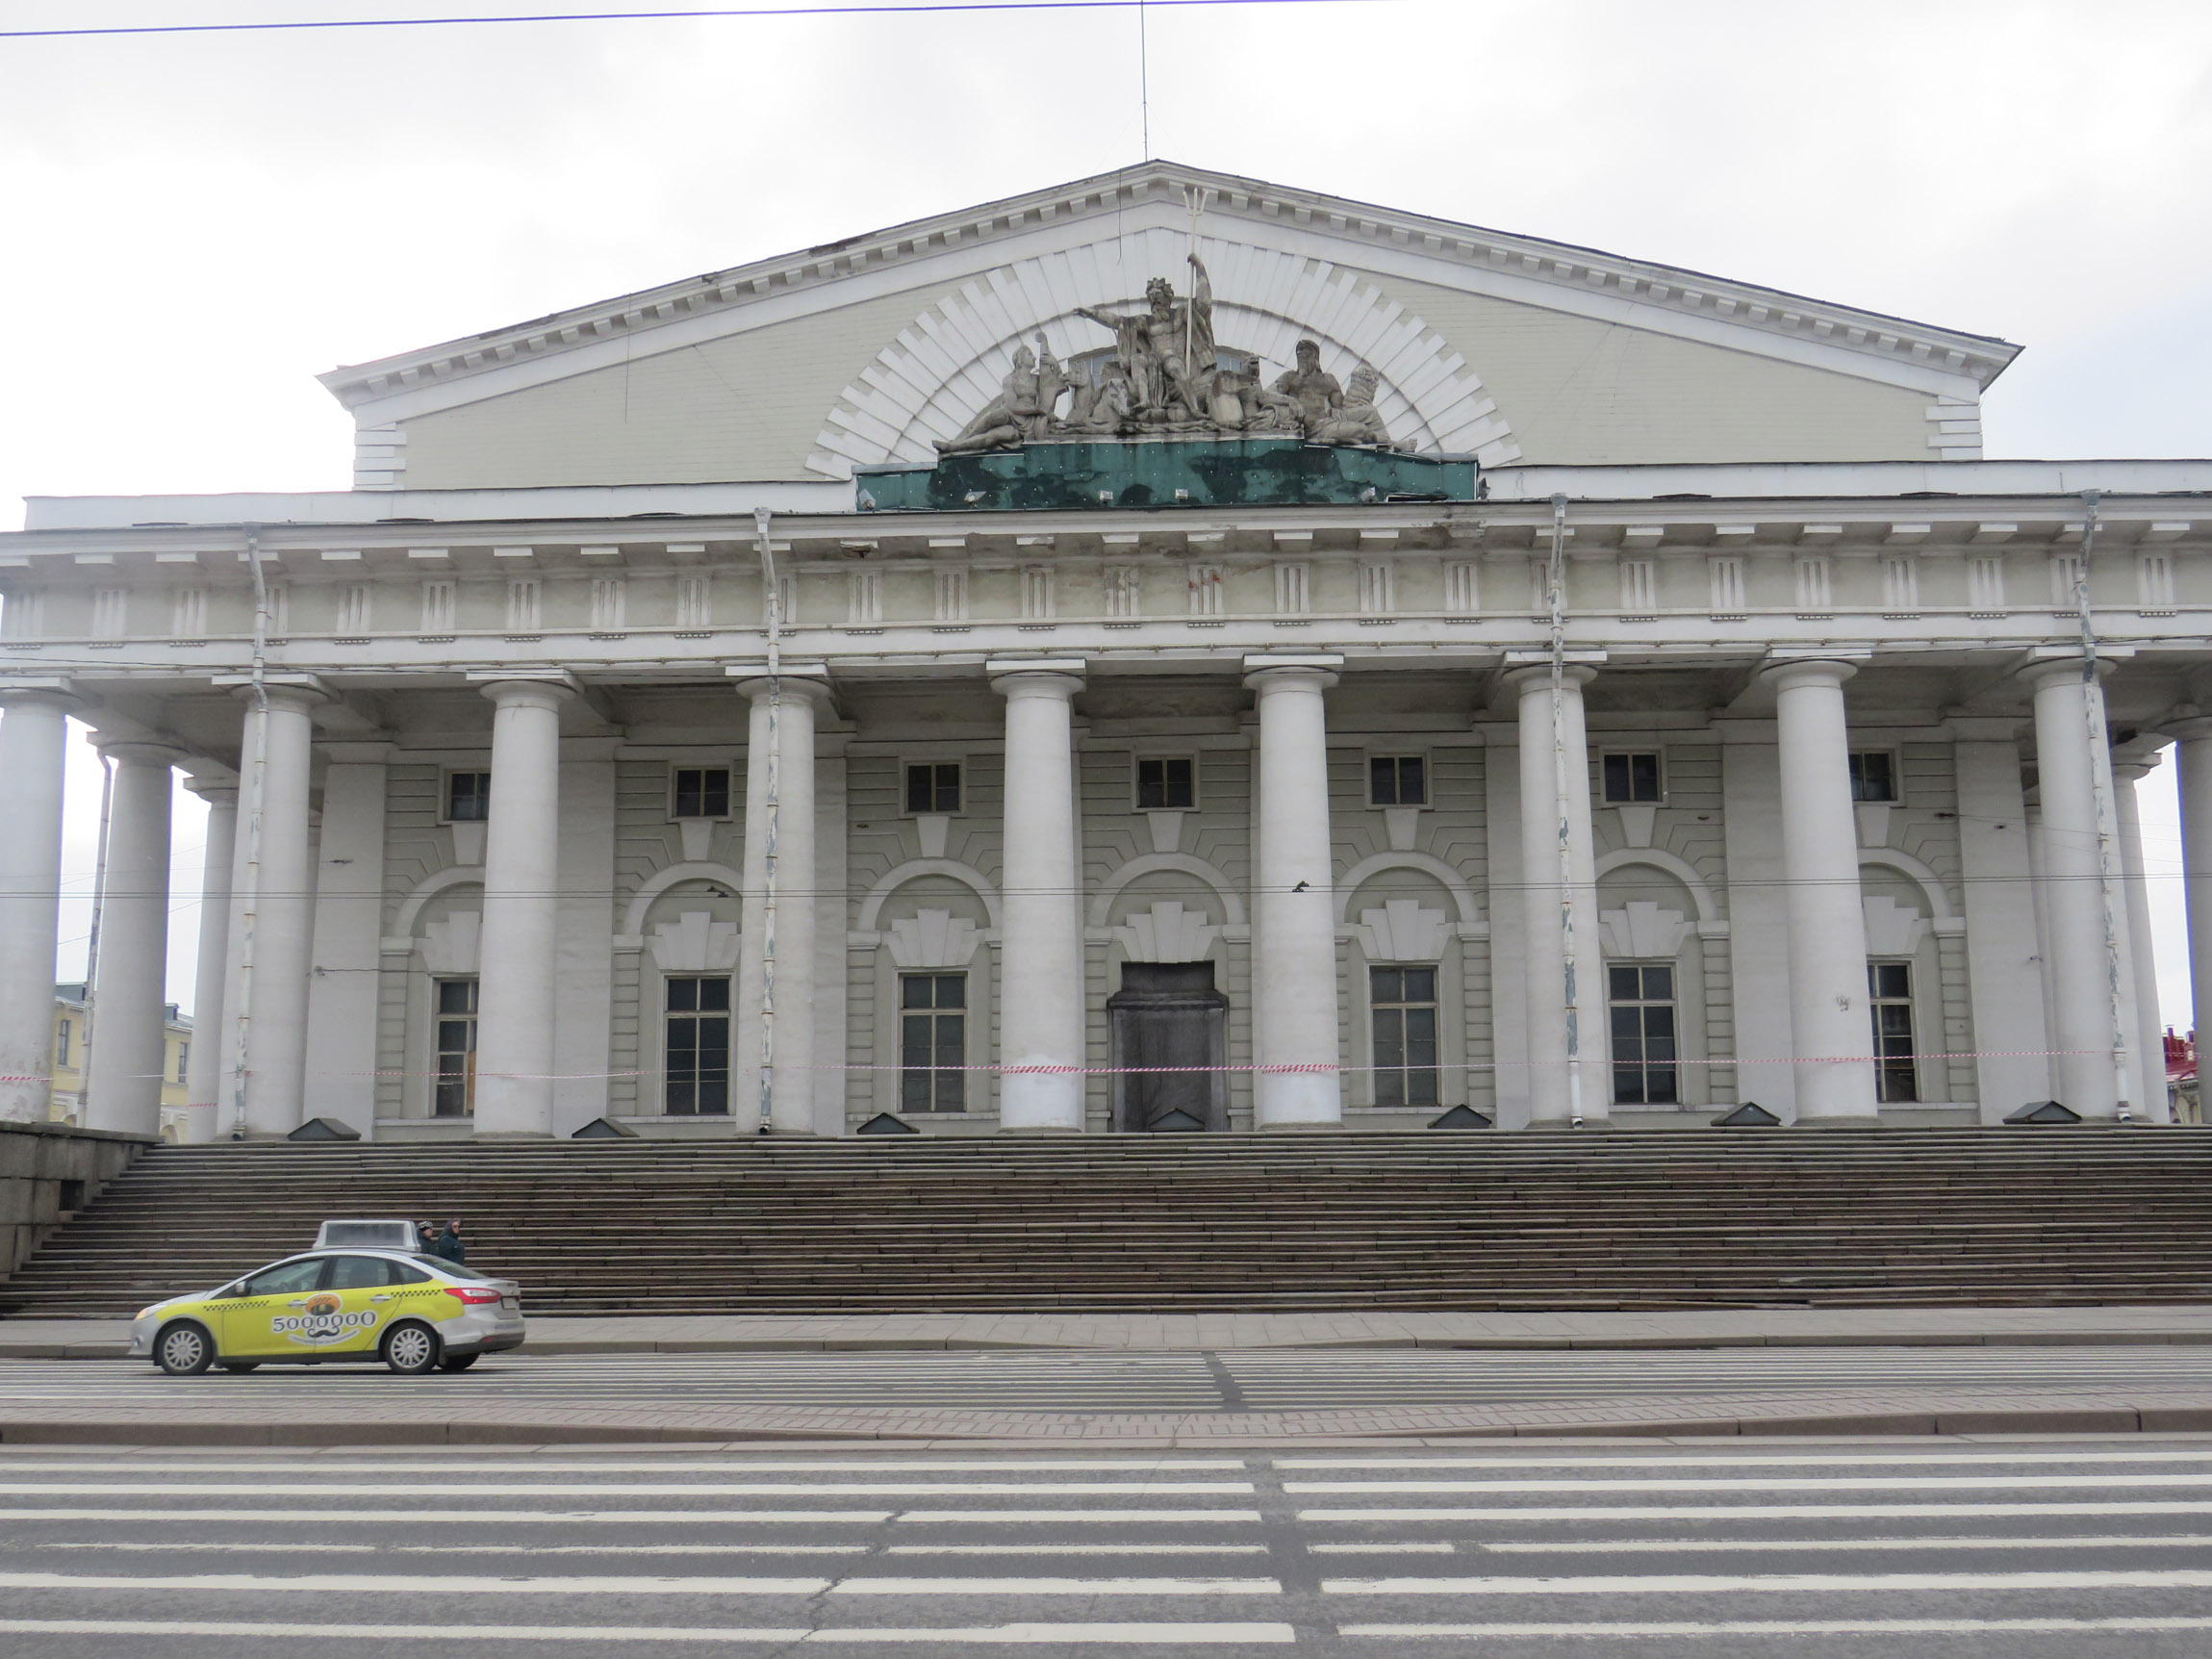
1827	1121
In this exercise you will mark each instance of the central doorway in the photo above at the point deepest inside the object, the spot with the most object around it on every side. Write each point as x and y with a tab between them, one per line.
1169	1015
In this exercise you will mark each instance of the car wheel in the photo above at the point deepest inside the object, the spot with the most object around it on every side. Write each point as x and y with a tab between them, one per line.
239	1369
459	1361
184	1350
410	1350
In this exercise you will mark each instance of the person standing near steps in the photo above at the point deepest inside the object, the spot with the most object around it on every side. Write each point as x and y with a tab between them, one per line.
449	1245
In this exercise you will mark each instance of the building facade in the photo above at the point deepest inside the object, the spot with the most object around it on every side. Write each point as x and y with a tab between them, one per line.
73	1033
1167	654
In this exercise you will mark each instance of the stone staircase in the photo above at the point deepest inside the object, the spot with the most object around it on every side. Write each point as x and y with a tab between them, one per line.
1613	1221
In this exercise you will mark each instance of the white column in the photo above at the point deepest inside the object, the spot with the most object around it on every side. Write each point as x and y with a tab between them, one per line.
2037	865
1558	1094
272	907
2004	958
2130	764
1041	982
795	1080
203	1066
1295	901
521	872
33	734
2193	755
123	1091
2073	897
1829	1023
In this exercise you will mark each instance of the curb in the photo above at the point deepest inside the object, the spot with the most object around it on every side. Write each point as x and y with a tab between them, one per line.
1985	1420
567	1346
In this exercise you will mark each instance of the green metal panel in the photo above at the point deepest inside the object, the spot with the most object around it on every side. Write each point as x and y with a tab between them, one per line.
1165	472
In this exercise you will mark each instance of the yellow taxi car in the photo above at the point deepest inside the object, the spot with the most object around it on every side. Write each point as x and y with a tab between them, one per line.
416	1314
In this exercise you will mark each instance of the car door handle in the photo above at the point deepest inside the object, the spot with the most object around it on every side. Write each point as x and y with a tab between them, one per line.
383	1298
301	1303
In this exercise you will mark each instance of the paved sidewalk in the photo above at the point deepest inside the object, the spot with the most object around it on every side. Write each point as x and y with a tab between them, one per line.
419	1418
1686	1328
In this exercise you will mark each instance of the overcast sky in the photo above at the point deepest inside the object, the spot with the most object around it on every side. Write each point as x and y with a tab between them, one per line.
196	225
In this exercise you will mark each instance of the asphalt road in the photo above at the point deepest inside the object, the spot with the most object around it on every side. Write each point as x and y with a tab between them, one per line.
2050	1549
1254	1380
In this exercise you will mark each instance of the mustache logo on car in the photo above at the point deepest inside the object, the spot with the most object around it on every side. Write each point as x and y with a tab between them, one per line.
322	1320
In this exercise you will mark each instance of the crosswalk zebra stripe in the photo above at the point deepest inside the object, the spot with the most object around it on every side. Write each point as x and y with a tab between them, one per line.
1172	1636
1703	1584
1782	1627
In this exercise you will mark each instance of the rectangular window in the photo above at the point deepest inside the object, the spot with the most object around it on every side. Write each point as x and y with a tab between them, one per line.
1166	784
62	1036
454	1095
468	796
1397	780
1874	775
1890	986
184	1056
698	1053
932	1042
1404	1004
934	787
1641	996
1630	779
703	792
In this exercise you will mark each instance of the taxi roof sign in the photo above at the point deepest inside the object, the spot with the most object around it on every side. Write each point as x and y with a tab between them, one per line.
368	1236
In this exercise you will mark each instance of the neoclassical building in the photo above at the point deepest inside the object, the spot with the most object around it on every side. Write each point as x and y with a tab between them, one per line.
1167	652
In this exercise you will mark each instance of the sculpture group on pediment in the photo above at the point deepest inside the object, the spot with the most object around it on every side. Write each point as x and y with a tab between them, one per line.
1168	377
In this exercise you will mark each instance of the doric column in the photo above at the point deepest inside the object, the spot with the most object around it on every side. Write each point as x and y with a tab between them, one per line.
1830	1027
1560	1094
2074	892
2037	870
2004	961
123	1090
1294	897
271	923
521	872
1041	977
794	1079
33	734
203	1066
2130	764
2193	755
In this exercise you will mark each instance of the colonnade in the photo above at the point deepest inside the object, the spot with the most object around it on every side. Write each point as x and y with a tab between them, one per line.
257	930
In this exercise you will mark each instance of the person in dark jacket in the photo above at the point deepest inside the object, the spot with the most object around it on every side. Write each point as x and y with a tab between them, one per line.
429	1243
449	1244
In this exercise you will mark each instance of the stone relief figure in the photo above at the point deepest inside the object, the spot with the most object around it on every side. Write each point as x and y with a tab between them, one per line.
1167	349
1165	378
1315	393
1356	422
1023	410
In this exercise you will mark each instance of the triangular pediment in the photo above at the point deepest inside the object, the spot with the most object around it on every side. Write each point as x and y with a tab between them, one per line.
874	347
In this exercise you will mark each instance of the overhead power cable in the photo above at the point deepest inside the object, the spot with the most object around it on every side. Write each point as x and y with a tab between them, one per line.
927	7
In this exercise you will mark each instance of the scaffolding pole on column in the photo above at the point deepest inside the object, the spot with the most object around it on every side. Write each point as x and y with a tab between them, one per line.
2105	809
772	605
256	761
1555	585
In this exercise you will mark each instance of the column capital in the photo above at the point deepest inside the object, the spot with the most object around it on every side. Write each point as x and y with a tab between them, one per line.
1318	672
2058	670
1535	677
41	693
2137	758
1052	676
216	795
2192	728
808	680
1808	671
141	751
525	690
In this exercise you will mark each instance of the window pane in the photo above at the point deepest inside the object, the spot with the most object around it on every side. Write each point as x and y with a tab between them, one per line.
1658	1086
453	1037
1151	783
1892	980
1383	781
468	796
1616	784
922	793
950	1089
1420	984
358	1273
714	1094
1389	1037
1621	983
1644	777
1181	787
1658	984
914	1040
289	1279
1628	1084
1384	984
1421	1037
687	802
456	996
682	995
1421	1088
1390	1087
914	1092
714	995
951	990
951	1039
714	793
914	991
682	1096
1412	782
946	793
1627	1034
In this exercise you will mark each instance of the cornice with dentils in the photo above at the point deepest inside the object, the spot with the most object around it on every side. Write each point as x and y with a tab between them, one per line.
1980	358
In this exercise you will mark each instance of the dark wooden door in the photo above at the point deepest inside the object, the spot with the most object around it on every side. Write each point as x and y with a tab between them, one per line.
1168	1015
